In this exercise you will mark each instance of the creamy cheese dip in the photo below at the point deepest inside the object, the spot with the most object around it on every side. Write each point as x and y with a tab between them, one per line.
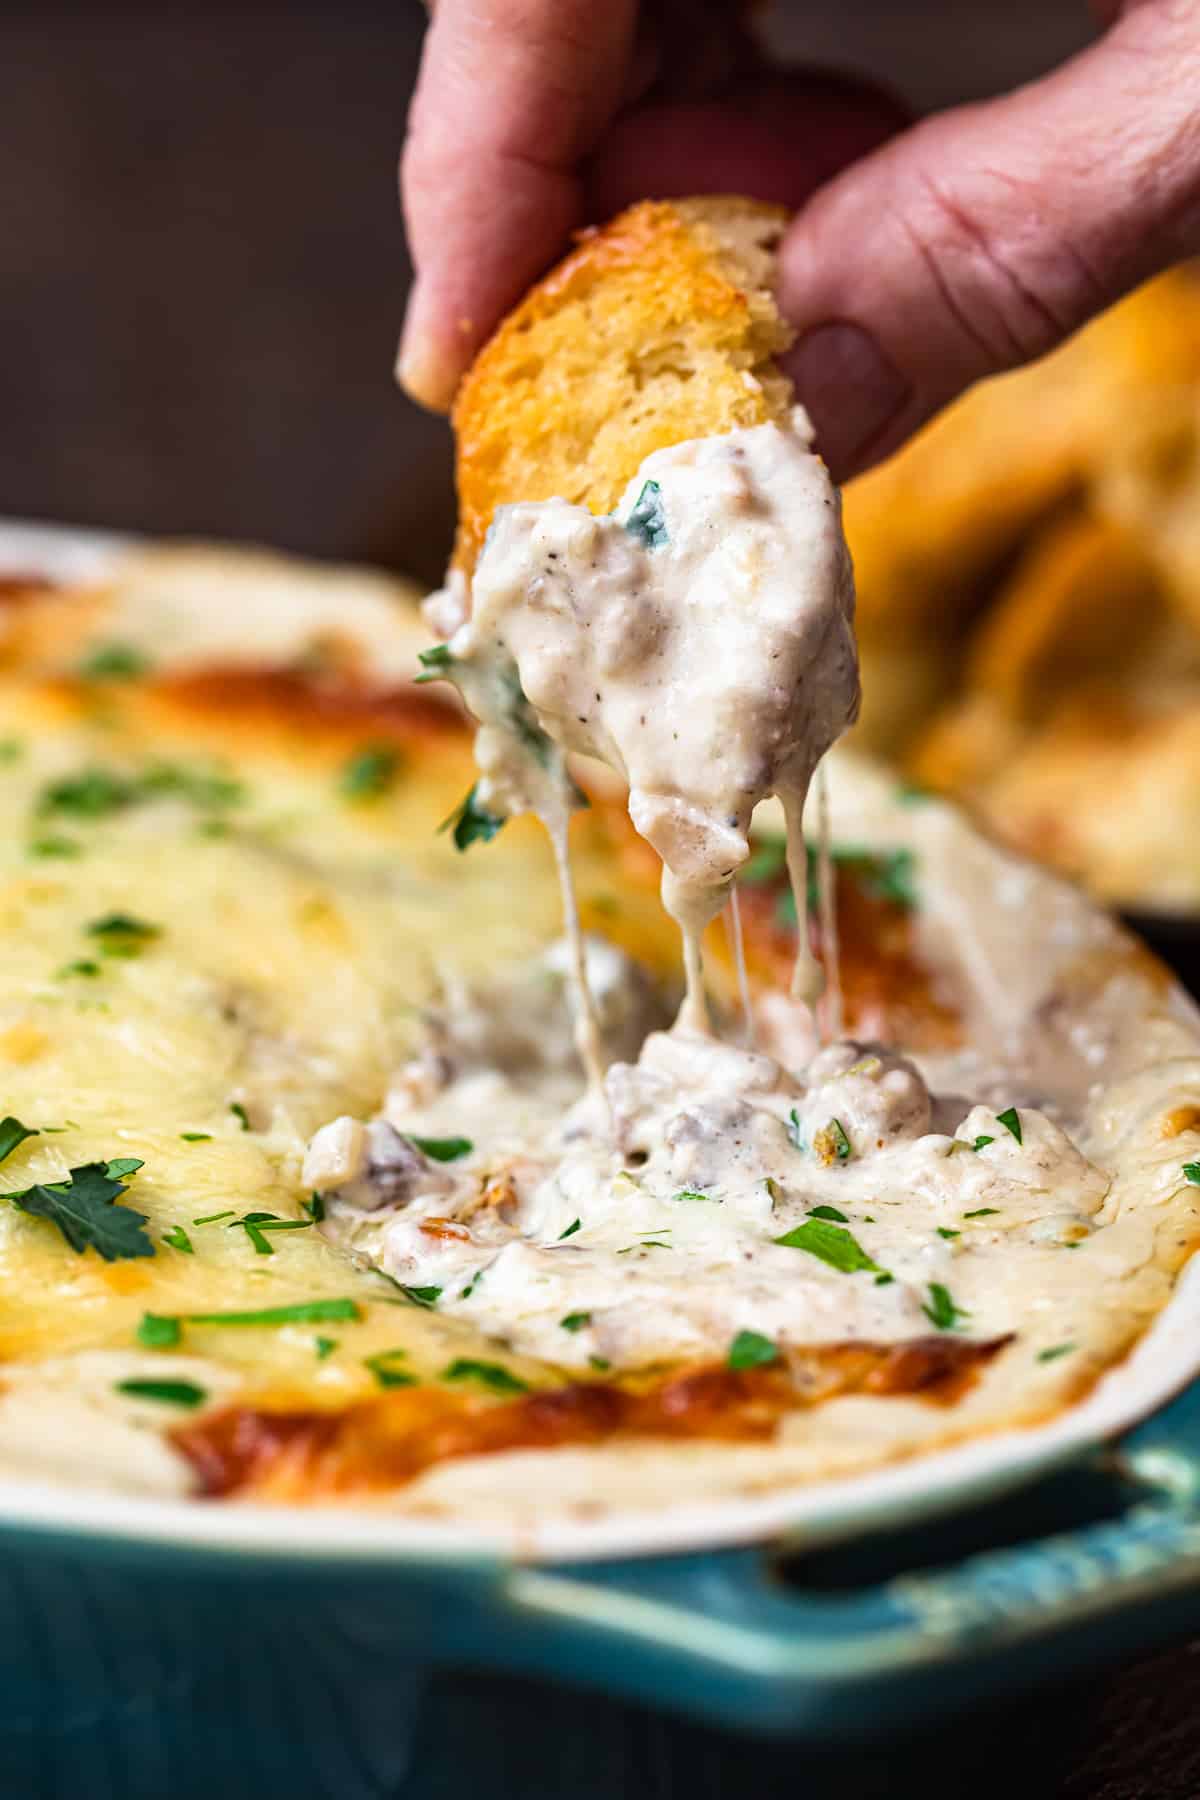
699	642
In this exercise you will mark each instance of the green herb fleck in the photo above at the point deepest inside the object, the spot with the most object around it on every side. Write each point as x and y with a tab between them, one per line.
121	934
62	847
11	750
982	1212
599	1362
695	1194
370	772
647	522
909	793
196	1137
159	1331
314	1206
84	1209
830	1212
493	1376
443	1149
82	965
113	662
427	1297
171	1393
944	1231
941	1310
576	1321
465	1293
572	1228
212	1218
383	1366
1010	1120
324	1347
1191	1172
751	1350
471	823
832	1244
12	1133
256	1225
1054	1352
794	1130
981	1143
435	661
178	1239
92	794
239	1113
884	1279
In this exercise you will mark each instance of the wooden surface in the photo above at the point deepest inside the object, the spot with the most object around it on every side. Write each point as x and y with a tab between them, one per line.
201	283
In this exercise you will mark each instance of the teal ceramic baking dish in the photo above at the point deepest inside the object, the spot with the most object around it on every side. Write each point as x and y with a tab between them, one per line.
153	1648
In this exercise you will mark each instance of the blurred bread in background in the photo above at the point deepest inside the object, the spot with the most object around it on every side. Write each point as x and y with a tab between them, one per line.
1029	602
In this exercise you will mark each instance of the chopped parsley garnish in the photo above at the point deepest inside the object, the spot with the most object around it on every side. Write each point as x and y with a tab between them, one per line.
383	1366
83	1207
314	1206
178	1239
599	1362
941	1310
493	1376
1191	1172
113	662
465	1293
884	1279
834	1245
121	934
1054	1352
12	1133
51	846
471	823
751	1350
92	794
118	1167
208	789
572	1228
442	1149
981	1143
159	1331
576	1321
171	1393
82	965
647	522
944	1231
427	1297
256	1225
794	1131
831	1143
239	1113
324	1347
1010	1120
830	1212
435	661
370	772
982	1212
695	1194
212	1218
196	1137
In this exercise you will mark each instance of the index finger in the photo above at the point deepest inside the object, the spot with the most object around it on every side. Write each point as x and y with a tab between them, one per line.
511	95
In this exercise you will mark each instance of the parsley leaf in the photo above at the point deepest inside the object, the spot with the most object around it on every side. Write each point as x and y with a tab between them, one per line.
694	1194
572	1228
370	772
1054	1352
599	1362
795	1134
171	1393
159	1331
442	1149
383	1367
113	662
239	1113
944	1231
84	1210
121	934
314	1206
981	1143
648	522
51	846
942	1311
493	1376
982	1212
472	823
576	1321
82	965
12	1133
324	1347
1010	1120
751	1350
1191	1172
178	1239
830	1212
92	794
196	1137
835	1246
435	661
427	1297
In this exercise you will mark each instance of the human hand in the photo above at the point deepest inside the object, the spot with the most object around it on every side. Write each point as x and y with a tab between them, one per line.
917	263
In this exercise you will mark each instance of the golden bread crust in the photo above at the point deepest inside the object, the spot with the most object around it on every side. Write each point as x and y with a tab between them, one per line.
658	327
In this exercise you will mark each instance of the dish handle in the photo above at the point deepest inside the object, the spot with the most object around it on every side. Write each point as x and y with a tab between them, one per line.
747	1637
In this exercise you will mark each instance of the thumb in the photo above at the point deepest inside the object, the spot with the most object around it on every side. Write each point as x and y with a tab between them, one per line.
982	237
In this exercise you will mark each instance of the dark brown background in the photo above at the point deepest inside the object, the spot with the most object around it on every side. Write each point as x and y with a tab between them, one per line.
201	282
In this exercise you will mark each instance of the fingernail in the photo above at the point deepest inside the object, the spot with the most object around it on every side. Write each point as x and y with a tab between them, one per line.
427	368
851	391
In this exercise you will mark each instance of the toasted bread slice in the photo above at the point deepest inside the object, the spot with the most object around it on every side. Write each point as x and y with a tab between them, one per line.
658	327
